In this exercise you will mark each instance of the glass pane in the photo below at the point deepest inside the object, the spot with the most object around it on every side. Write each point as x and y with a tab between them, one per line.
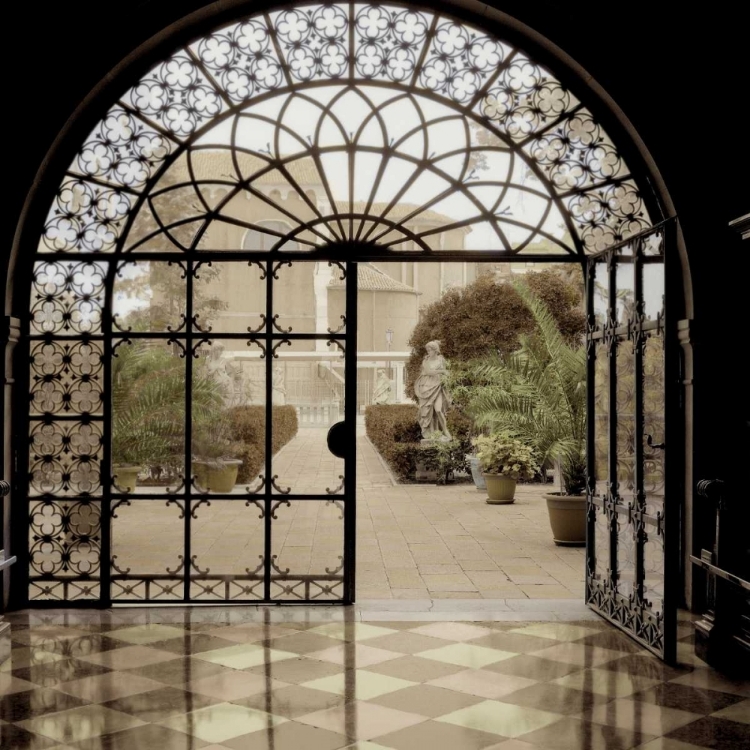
601	293
310	399
653	416
625	556
229	298
654	244
601	457
625	405
300	293
268	235
601	418
67	298
148	538
66	377
653	290
653	584
227	550
653	412
148	415
625	290
228	411
65	458
307	550
149	296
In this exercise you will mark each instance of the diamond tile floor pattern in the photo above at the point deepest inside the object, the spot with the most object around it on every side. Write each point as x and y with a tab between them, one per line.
249	679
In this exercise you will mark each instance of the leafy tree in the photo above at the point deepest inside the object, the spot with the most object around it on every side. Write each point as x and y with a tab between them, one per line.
489	316
156	292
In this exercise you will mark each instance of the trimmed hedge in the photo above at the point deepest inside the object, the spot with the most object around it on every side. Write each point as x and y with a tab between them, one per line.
248	427
394	431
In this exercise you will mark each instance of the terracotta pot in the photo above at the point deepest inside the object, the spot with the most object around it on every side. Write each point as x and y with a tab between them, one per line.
126	476
217	476
500	489
567	517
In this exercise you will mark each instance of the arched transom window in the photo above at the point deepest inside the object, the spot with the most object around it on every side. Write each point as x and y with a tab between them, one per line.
348	122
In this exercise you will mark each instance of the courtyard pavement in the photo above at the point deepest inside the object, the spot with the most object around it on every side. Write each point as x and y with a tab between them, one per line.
422	541
416	542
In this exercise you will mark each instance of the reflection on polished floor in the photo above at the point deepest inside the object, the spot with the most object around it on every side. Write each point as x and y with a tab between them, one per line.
321	679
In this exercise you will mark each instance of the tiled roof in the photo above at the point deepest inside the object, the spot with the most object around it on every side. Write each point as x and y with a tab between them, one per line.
370	278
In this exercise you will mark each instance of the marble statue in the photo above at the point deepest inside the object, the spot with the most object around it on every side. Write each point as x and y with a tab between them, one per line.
238	389
432	395
383	392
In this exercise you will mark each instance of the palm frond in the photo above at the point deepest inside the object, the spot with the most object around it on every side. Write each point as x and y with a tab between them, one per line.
537	393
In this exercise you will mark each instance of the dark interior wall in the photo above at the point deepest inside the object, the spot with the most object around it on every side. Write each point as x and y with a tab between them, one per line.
681	78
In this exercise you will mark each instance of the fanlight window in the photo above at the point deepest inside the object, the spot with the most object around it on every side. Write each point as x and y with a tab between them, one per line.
376	123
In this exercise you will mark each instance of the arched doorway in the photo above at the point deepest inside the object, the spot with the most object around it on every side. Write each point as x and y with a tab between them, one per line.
406	113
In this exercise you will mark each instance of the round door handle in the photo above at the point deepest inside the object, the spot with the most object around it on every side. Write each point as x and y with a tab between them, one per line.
337	439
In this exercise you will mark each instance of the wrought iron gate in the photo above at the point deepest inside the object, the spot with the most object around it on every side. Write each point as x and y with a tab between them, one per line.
182	534
633	512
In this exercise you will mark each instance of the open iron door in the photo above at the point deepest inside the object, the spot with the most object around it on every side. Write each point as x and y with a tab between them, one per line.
632	548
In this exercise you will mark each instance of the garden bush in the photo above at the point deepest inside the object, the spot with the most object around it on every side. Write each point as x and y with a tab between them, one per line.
394	431
248	427
488	316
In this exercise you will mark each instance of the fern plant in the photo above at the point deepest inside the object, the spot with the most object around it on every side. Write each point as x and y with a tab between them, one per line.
538	394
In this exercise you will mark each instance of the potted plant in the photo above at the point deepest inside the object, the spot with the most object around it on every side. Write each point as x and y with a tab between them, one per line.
461	383
539	394
215	464
504	460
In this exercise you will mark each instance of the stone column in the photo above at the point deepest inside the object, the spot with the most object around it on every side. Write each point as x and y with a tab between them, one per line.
399	378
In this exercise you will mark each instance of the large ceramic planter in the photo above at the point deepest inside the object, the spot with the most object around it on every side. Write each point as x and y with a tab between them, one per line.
126	476
501	490
216	476
476	474
567	517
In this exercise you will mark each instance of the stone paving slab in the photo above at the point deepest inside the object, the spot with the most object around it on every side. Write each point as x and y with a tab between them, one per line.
428	542
416	542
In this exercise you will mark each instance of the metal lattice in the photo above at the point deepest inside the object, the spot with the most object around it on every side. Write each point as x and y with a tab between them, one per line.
358	128
630	515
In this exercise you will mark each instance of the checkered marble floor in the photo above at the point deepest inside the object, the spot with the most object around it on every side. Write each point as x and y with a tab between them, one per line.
249	679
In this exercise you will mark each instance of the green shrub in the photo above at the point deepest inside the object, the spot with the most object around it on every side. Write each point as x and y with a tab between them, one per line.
488	316
394	431
392	423
248	427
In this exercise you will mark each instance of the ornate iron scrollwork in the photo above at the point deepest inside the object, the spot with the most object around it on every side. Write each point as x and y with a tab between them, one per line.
629	587
277	326
341	327
276	346
338	489
166	165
